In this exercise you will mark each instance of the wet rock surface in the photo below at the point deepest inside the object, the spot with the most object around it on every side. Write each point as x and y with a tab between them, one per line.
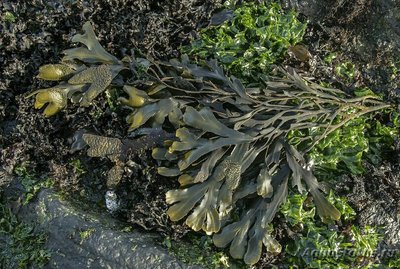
367	31
80	239
376	199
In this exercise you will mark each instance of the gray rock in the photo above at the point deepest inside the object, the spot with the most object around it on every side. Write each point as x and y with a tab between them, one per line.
78	239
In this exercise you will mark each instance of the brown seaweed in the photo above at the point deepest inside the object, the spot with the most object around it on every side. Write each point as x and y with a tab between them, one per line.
230	142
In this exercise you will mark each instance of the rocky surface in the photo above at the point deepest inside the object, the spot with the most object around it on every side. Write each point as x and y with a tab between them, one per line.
376	199
367	31
80	239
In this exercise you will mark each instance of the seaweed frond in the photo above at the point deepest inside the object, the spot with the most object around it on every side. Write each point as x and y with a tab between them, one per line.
99	78
82	83
116	150
233	147
54	98
137	98
93	53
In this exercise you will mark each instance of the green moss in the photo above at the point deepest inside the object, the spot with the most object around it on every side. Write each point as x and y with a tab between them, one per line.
30	182
20	246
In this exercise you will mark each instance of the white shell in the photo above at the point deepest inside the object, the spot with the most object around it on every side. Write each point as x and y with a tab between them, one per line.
112	201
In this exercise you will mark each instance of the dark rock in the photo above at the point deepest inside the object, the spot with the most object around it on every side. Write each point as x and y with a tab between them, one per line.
376	198
367	31
79	239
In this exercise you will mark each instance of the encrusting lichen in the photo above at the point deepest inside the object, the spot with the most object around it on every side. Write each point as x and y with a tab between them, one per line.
227	143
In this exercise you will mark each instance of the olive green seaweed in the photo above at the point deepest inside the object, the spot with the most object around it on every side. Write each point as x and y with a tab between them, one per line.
93	53
229	143
79	82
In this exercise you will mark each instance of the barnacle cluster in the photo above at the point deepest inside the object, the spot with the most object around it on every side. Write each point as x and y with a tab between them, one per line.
229	146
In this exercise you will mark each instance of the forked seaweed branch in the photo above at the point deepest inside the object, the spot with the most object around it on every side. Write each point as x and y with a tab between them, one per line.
233	150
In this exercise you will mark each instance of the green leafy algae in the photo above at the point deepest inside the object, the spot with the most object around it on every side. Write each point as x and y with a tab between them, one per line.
257	35
317	245
20	246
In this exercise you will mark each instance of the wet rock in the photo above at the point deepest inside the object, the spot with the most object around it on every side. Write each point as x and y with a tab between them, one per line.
367	31
376	198
79	239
